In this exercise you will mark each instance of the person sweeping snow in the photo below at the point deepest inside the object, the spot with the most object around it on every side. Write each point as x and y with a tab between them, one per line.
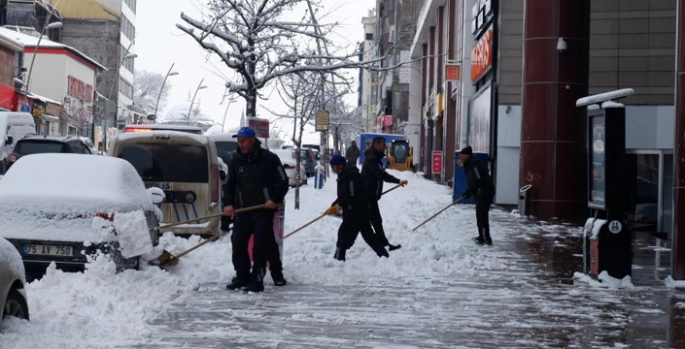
353	201
481	187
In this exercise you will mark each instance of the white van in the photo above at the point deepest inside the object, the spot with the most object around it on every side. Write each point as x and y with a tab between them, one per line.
185	166
13	127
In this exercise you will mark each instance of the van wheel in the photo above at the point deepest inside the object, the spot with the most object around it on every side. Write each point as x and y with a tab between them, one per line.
16	306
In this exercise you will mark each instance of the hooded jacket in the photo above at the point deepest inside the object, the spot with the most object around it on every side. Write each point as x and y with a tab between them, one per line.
255	178
374	174
351	196
478	179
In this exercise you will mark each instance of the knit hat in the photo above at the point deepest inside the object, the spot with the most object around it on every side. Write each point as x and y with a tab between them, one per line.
337	160
467	151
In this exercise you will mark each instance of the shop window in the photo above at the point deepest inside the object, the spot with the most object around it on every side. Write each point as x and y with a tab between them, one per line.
643	190
667	195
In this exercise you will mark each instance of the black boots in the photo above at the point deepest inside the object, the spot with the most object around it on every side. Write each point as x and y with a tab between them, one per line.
483	237
393	247
237	283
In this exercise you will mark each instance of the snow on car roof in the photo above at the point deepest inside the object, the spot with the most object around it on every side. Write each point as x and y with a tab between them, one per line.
10	256
73	183
151	134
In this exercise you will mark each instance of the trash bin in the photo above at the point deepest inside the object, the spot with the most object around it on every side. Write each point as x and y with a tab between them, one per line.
524	200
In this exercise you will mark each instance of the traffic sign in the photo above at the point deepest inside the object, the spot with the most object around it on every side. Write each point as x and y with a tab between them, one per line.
437	158
25	108
322	120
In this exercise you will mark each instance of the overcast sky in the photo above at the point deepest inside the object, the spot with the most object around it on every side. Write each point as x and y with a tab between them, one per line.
159	44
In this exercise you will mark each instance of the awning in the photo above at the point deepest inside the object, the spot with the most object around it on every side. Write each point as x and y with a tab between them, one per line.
49	118
43	99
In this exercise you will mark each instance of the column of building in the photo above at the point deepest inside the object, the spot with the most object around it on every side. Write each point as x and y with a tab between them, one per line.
552	128
678	240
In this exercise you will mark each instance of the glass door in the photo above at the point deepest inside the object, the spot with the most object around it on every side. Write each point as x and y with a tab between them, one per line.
666	225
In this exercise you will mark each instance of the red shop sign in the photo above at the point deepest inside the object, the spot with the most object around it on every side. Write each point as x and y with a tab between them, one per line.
437	161
481	56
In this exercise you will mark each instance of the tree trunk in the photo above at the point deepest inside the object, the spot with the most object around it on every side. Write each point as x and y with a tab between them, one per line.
297	146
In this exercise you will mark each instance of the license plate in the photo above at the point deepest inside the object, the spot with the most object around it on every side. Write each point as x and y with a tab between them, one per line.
163	185
49	250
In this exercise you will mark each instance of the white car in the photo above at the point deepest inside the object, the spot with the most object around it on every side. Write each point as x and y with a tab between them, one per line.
12	280
289	162
77	213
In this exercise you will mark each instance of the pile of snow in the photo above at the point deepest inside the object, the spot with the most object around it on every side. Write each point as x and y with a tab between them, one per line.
670	283
11	257
132	233
604	280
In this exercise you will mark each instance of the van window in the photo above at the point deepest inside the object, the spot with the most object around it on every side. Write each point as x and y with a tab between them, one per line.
27	147
226	150
168	162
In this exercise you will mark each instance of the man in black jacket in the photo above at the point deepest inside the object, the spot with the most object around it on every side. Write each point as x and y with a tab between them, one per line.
373	175
481	187
355	209
255	176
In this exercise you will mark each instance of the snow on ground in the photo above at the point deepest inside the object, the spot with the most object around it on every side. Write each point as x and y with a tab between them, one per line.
103	309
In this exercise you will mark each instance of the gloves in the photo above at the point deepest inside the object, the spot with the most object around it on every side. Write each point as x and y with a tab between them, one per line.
332	209
467	194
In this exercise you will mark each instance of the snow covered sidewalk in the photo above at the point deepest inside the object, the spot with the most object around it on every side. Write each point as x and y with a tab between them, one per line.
438	291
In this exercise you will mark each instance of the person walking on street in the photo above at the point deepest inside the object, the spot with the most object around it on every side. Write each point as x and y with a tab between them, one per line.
255	176
481	187
352	153
355	209
373	175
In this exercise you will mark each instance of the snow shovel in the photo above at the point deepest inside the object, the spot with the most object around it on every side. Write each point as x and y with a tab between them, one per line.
167	259
439	212
324	215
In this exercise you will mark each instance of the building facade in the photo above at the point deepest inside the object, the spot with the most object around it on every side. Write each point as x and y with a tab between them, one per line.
63	76
105	30
367	92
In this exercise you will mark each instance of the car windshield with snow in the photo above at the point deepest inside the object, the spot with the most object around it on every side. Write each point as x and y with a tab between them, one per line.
185	166
47	144
99	206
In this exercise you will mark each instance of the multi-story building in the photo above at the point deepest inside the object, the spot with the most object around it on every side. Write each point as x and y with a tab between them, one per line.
523	68
394	32
31	14
105	30
367	91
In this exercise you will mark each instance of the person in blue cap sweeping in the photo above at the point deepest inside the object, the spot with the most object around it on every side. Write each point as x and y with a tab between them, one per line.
255	176
352	199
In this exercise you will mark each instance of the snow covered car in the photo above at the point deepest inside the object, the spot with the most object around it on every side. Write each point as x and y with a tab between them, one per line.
289	162
65	207
12	280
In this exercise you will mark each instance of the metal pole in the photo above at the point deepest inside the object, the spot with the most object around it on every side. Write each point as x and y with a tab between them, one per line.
193	100
162	88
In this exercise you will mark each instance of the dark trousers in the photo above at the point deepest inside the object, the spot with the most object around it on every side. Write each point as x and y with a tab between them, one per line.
483	204
377	221
259	223
351	227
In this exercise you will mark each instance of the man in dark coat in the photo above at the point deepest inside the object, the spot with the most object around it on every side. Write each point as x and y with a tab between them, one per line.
255	176
481	187
352	153
355	209
373	175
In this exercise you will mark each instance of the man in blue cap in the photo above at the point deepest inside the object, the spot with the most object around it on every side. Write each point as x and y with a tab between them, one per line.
255	176
352	200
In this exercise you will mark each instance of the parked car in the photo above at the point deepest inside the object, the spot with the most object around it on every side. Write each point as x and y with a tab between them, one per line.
47	144
13	127
13	301
289	161
69	217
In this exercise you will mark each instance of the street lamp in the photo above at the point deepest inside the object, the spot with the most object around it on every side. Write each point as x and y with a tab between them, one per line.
199	87
53	25
168	74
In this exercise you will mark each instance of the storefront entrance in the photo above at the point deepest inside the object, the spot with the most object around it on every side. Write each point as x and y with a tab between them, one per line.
649	180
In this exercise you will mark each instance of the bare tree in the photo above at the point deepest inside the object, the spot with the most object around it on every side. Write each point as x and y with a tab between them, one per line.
260	41
276	140
146	90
